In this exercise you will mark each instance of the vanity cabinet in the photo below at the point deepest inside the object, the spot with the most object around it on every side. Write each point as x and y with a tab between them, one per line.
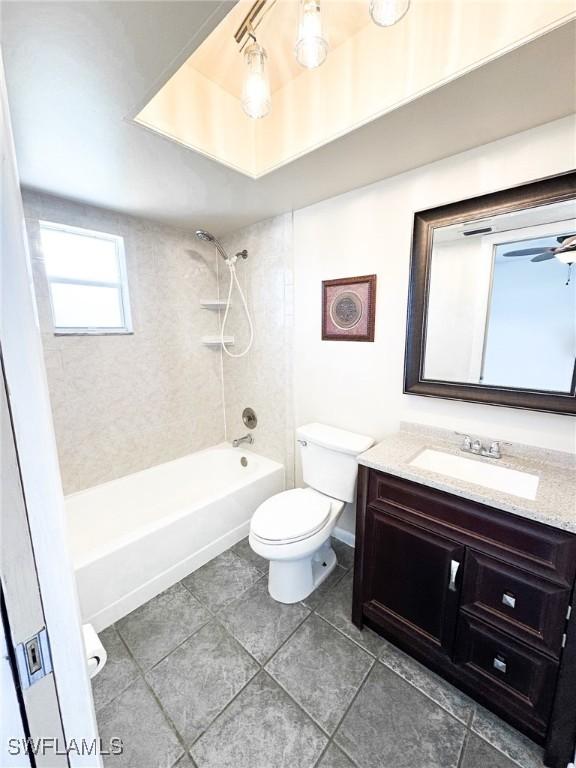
481	596
411	582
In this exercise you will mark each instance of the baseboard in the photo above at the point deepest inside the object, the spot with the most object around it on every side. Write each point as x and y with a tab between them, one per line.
345	536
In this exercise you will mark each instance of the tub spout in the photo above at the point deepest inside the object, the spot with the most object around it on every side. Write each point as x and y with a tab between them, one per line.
239	440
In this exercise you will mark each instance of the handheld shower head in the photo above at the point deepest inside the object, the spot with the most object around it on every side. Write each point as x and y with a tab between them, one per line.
208	237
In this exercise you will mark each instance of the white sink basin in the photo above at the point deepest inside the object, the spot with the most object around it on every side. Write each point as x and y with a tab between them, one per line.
481	472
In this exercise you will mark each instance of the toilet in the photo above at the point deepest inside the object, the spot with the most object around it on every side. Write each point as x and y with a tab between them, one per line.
292	529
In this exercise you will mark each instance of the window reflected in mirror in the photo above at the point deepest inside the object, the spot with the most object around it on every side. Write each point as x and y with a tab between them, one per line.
502	301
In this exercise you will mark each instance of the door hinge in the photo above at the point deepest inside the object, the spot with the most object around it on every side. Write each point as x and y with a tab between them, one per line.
34	659
569	613
564	640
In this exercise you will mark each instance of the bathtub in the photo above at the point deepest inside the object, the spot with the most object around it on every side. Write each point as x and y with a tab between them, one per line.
133	537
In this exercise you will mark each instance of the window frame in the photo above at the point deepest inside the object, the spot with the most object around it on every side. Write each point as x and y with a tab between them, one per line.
121	285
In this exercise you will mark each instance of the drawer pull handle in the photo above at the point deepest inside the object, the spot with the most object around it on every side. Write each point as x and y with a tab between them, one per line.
509	599
499	663
454	565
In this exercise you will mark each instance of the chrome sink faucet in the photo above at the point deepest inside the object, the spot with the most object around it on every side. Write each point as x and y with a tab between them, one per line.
239	440
494	451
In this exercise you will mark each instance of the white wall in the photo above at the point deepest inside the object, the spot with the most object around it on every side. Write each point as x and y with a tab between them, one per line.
358	386
460	279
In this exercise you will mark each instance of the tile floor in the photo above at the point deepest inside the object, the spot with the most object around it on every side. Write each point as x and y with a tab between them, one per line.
213	673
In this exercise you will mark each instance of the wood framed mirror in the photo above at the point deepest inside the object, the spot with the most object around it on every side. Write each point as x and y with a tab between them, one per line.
492	299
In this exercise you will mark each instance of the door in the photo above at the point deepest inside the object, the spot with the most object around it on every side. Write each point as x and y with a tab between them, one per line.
36	568
12	728
26	634
412	585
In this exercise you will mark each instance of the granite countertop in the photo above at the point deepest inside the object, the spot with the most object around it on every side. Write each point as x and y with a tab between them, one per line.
555	502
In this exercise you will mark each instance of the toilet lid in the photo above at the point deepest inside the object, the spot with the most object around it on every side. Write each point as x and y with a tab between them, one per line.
291	515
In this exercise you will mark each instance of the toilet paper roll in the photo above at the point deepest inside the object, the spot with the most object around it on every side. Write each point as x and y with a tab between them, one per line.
95	652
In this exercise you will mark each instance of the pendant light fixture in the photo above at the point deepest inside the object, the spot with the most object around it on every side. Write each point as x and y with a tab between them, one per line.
256	100
385	13
311	47
312	44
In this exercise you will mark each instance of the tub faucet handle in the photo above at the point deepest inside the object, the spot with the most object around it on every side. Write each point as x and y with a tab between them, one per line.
466	442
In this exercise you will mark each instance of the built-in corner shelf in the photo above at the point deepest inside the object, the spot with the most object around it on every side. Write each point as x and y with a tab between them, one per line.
213	303
216	341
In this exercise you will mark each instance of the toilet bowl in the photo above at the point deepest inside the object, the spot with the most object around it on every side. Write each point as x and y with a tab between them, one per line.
293	529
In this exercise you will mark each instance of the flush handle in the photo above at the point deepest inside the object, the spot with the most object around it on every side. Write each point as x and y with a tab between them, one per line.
454	566
509	600
499	663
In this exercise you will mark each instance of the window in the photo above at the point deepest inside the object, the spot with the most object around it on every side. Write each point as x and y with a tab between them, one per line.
86	274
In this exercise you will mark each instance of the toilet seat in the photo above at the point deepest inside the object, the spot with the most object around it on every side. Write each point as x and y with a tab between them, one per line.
291	516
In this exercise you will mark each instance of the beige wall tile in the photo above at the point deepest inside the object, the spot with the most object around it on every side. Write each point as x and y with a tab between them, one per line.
124	403
262	379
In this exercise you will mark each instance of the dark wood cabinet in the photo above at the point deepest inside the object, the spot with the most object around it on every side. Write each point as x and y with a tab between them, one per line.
412	580
527	607
521	678
481	596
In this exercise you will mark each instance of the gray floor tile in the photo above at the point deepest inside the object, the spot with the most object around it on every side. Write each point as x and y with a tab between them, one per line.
319	595
262	728
335	758
479	754
321	669
135	717
197	680
337	609
506	739
158	626
450	698
392	724
244	550
222	580
260	623
344	554
184	762
118	672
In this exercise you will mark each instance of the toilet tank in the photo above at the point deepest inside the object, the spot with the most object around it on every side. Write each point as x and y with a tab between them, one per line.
329	462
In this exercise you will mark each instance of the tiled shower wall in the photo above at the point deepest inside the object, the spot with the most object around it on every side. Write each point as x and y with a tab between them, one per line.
263	378
124	403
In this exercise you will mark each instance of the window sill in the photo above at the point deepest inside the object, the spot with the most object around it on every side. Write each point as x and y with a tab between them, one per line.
93	333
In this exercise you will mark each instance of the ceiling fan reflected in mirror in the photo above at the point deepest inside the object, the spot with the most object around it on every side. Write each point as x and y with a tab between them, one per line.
564	252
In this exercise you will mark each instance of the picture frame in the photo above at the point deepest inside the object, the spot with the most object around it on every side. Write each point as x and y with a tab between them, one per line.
349	308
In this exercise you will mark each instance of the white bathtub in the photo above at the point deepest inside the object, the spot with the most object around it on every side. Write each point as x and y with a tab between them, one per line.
133	537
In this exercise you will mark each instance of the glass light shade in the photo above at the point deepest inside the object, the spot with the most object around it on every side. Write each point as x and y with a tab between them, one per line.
312	45
256	100
385	13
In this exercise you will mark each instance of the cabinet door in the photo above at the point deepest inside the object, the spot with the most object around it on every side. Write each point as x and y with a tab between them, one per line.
412	582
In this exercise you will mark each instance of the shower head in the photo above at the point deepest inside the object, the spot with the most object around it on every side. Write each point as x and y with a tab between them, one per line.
208	237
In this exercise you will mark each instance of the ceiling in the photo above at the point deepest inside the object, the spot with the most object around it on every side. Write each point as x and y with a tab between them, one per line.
76	71
563	212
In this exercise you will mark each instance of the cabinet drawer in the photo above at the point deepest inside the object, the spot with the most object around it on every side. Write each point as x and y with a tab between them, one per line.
531	609
512	674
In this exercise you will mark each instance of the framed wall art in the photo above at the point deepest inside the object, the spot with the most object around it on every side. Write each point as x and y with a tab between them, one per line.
349	308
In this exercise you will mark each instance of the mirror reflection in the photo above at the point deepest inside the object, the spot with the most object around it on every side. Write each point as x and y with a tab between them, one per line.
502	301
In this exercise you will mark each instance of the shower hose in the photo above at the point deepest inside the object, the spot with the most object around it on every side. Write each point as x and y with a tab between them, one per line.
234	279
